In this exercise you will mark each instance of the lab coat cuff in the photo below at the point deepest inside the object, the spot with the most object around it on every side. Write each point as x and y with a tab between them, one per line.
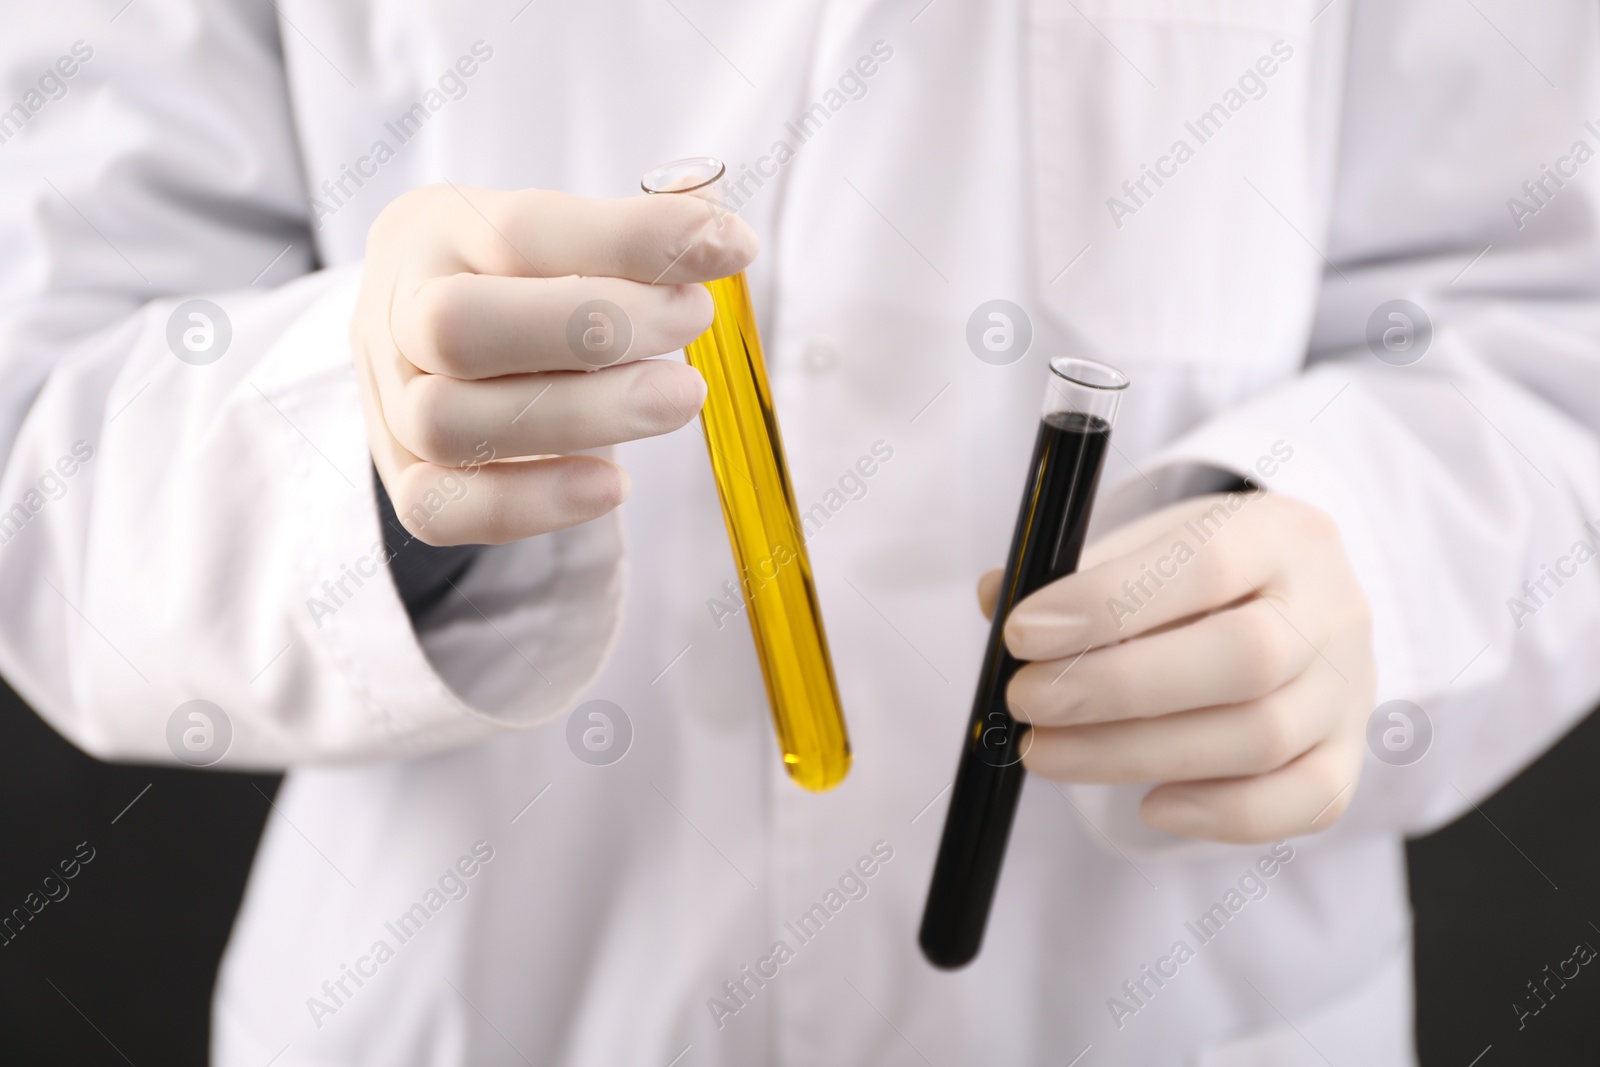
522	634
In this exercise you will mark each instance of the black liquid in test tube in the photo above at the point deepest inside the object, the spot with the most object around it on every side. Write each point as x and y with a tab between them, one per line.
1074	432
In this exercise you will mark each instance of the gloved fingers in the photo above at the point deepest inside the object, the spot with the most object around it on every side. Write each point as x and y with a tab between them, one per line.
476	285
482	502
449	422
1227	657
1136	533
989	591
1103	549
1306	795
537	233
482	326
1107	547
495	503
1212	551
1254	737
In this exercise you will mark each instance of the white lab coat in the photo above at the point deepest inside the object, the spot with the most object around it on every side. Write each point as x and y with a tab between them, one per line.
618	904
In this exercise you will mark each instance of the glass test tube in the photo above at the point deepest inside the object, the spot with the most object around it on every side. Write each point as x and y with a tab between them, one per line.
1074	432
763	519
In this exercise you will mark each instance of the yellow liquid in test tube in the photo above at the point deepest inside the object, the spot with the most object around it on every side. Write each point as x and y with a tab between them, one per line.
763	520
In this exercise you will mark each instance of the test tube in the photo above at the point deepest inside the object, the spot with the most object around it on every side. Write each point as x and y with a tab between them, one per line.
1074	432
759	507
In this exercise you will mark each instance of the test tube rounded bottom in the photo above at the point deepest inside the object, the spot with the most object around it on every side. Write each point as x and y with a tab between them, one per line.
973	847
763	519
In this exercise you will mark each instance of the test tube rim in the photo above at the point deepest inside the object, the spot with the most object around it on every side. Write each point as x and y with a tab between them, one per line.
1078	371
712	162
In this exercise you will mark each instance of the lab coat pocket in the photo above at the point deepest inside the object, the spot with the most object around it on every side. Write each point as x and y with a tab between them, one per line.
1180	150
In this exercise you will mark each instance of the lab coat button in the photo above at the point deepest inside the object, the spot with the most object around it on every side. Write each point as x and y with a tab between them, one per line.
821	356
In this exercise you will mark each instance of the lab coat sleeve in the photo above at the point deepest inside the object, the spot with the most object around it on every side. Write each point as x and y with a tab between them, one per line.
1466	485
178	524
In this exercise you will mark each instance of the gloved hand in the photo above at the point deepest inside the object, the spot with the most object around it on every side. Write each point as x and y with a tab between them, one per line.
1239	673
472	343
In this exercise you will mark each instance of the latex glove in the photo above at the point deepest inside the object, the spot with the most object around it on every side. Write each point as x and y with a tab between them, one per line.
461	344
1243	681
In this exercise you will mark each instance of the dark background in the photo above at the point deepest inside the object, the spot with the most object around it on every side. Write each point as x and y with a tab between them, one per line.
120	971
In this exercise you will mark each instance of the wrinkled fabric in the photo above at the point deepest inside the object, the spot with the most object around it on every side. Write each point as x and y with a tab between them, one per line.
632	912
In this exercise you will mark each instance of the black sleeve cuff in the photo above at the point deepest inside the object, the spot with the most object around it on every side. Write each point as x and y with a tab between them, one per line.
425	574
